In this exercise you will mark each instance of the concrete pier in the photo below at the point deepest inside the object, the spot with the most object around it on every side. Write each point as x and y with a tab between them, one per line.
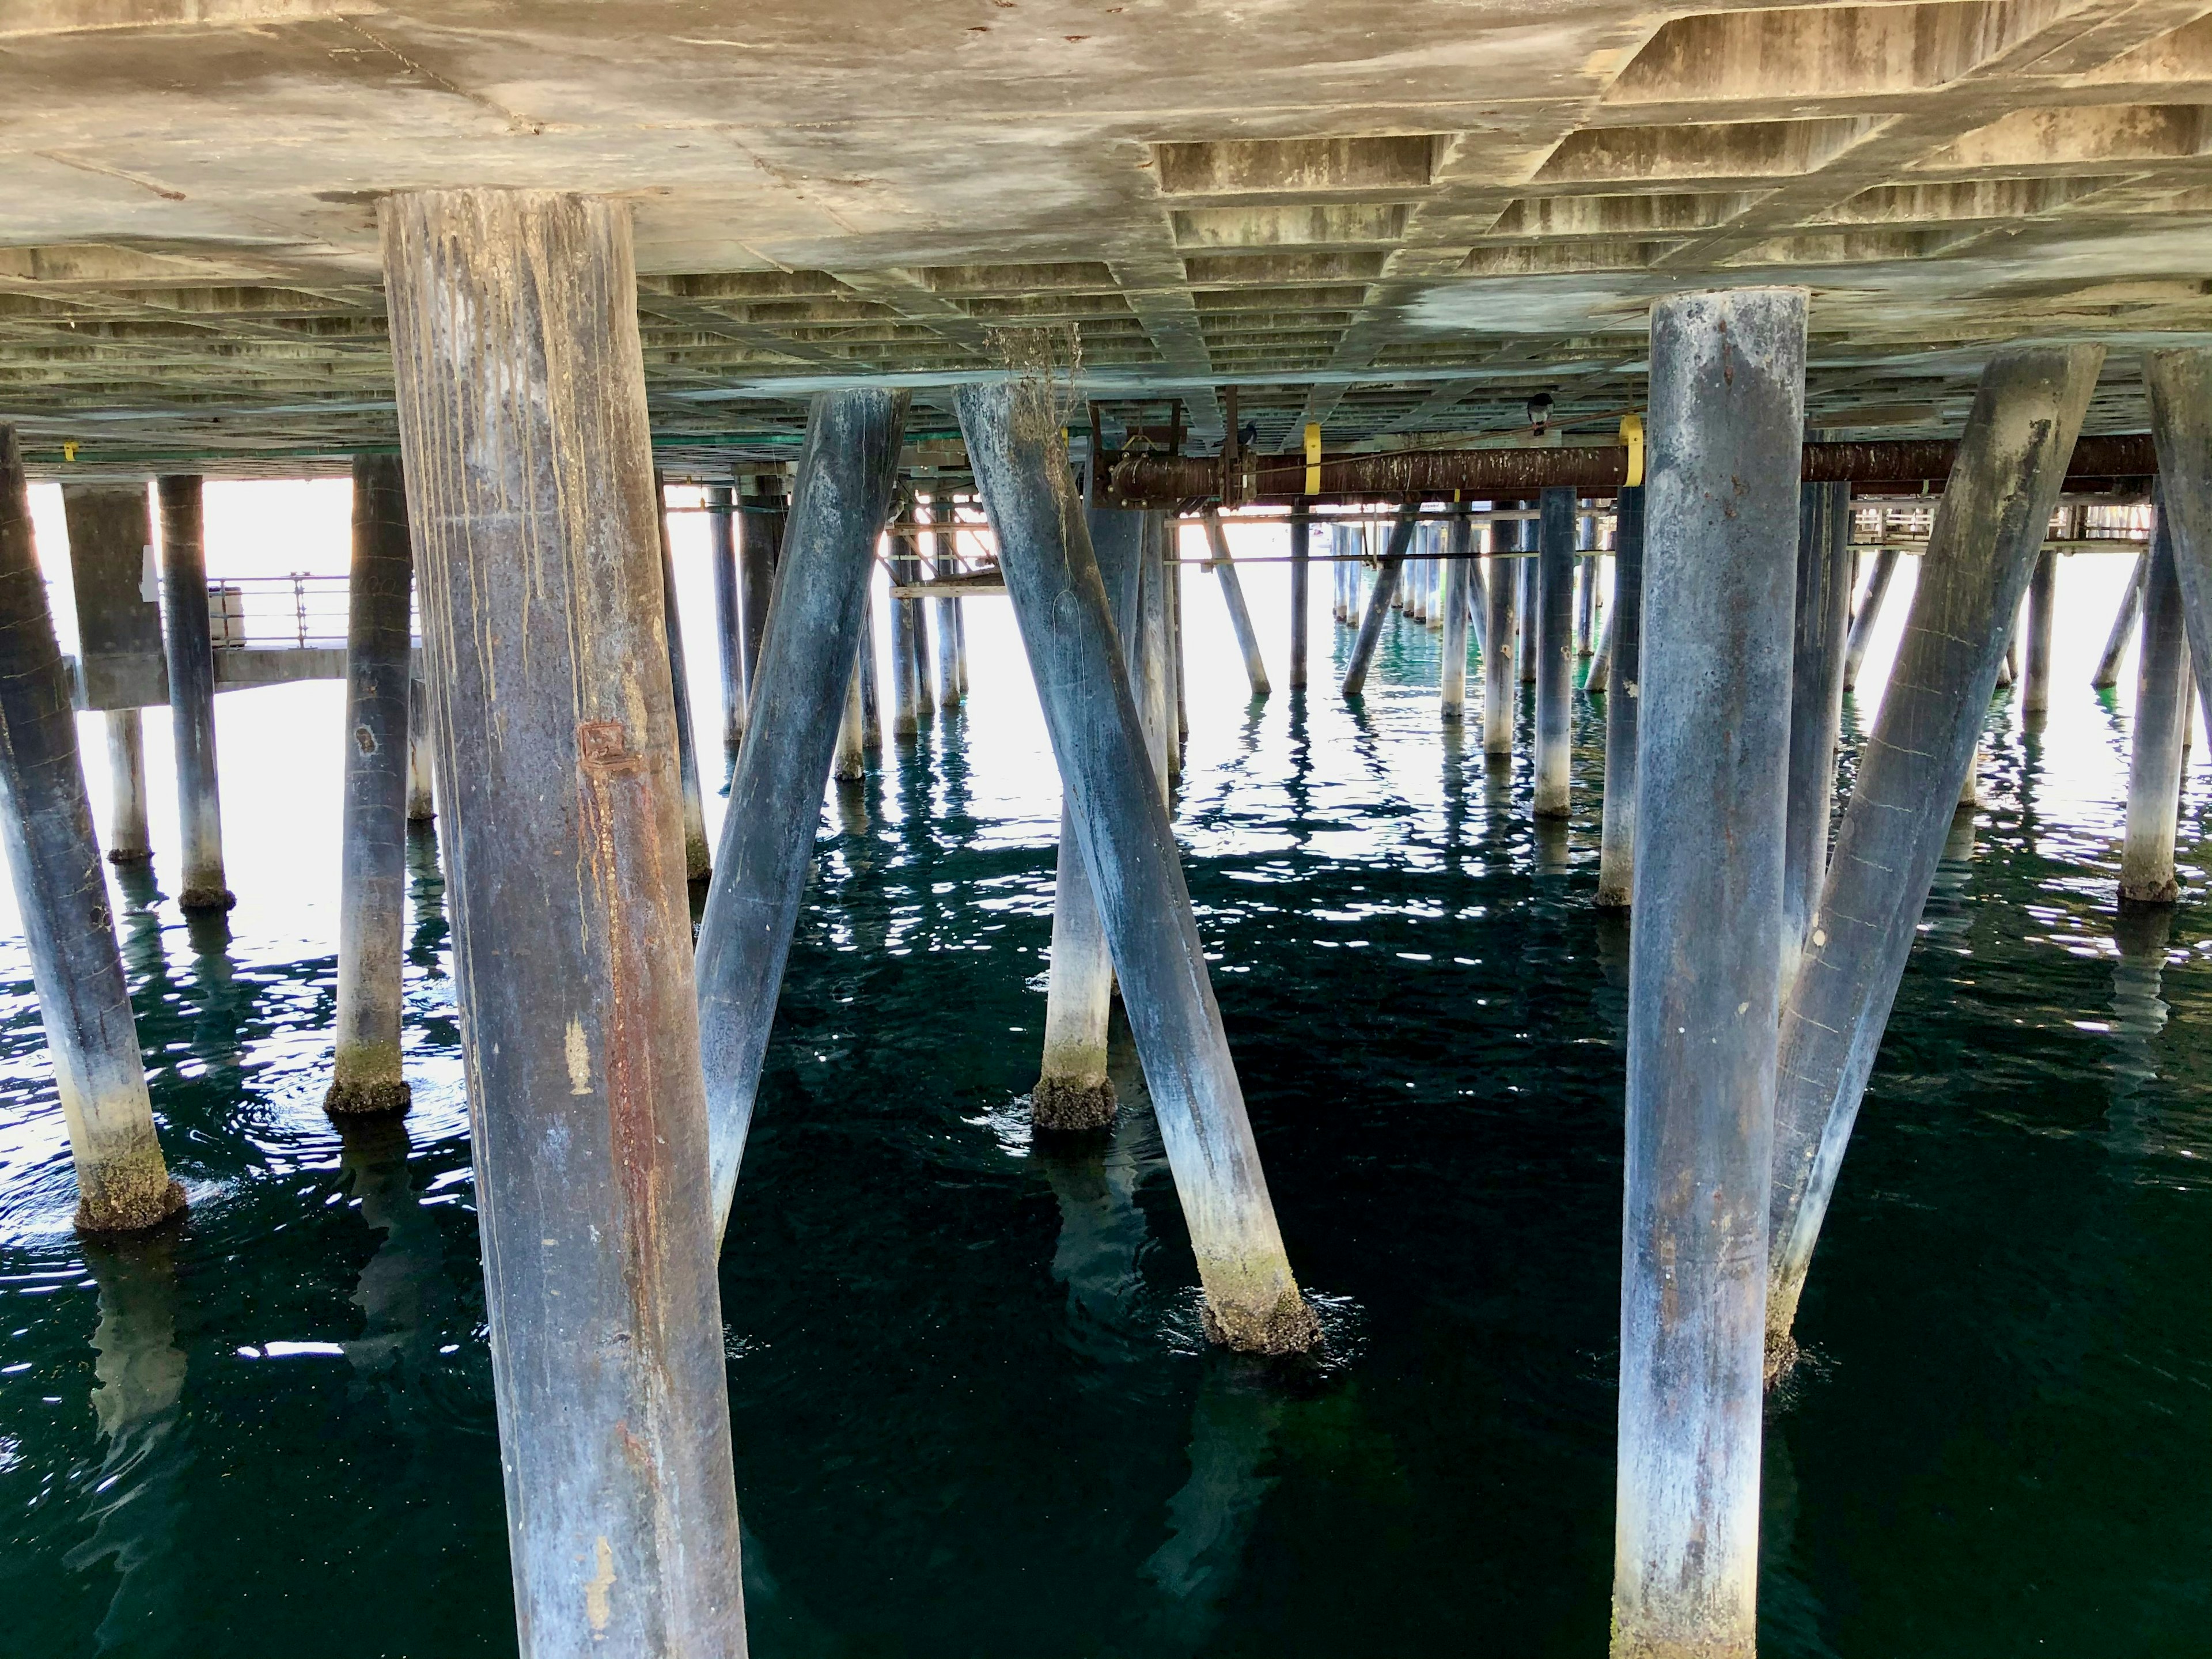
1868	614
1555	653
1013	431
760	545
1586	588
843	494
1529	571
1616	869
1822	621
1072	1091
851	762
2161	722
1989	527
729	618
364	1069
1728	376
2180	387
190	650
906	656
129	840
698	859
2123	627
1380	598
1152	683
69	932
421	800
1240	617
119	625
522	419
951	688
2042	612
1501	644
1459	567
1301	593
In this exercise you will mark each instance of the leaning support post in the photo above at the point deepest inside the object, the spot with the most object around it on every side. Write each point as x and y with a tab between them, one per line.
365	1070
1623	624
837	509
1232	595
190	649
2042	602
46	823
697	859
2147	873
1459	566
1301	600
1555	653
760	545
729	618
1989	525
2180	385
1869	613
1379	600
1816	702
1012	429
2123	627
1072	1091
1151	682
1501	644
1728	392
522	419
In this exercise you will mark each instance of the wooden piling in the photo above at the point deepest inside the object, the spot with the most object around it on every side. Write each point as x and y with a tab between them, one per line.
698	859
421	800
1821	620
2123	627
1380	598
2161	721
2180	386
2042	600
1300	594
1501	645
190	649
1240	617
1616	868
1459	566
729	618
1869	613
1555	653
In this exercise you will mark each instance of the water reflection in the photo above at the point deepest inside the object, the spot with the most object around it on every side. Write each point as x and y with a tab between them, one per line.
404	1292
1209	1521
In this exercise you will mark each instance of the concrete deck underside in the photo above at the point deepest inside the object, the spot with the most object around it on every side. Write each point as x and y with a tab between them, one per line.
1397	219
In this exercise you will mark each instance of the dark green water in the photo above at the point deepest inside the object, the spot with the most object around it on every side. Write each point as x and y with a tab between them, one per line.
973	1413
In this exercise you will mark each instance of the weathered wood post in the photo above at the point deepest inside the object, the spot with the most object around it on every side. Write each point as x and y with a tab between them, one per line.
1014	433
1816	702
760	545
851	764
421	800
2042	602
1379	600
522	418
1585	584
1869	613
2123	627
1459	566
1152	688
2147	873
1301	593
1232	595
46	823
729	618
1727	408
1616	869
698	862
190	648
365	1070
2180	387
1555	653
1179	677
842	495
1501	644
1989	526
1072	1091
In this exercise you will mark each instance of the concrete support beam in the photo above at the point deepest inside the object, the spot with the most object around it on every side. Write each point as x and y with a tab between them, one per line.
1555	653
843	494
1458	568
1989	526
1240	617
522	419
1380	598
190	655
1816	702
2161	725
1301	593
364	1069
1013	434
46	823
1501	647
2180	386
2123	627
729	618
698	861
1868	614
1072	1091
1616	867
1727	403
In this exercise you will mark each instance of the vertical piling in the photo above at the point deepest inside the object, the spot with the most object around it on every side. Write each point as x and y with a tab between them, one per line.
2042	598
1379	600
1728	376
1528	570
1816	702
522	418
2180	387
851	764
1177	676
1301	595
1585	586
1869	613
2123	627
53	858
129	840
1501	643
190	649
1555	648
843	493
944	562
1989	526
905	684
118	624
729	618
1232	595
1616	866
1459	566
760	544
698	862
365	1071
1014	443
2154	764
1152	690
421	800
